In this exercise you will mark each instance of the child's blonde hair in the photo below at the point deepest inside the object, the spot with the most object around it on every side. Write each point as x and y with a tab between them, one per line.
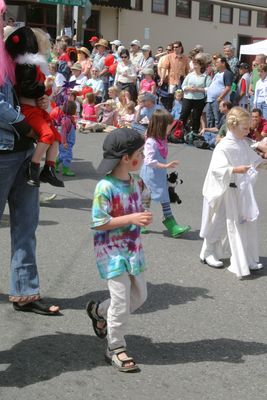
235	116
90	98
157	127
130	106
179	91
114	90
122	94
110	103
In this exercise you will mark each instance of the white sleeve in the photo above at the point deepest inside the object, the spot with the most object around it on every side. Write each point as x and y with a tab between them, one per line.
218	176
150	153
60	79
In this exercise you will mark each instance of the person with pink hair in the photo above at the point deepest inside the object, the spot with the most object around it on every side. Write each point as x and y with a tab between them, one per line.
16	149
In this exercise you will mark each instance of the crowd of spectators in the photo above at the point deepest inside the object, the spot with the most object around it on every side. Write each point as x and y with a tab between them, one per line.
197	88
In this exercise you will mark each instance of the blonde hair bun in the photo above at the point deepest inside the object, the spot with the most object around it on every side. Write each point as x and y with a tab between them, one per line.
235	116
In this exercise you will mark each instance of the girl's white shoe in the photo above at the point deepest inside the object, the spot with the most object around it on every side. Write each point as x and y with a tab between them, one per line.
212	261
256	266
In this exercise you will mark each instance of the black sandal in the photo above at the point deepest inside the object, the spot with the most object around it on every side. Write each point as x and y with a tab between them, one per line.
91	309
37	307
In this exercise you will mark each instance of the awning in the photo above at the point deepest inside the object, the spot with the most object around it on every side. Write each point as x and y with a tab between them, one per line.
81	3
112	3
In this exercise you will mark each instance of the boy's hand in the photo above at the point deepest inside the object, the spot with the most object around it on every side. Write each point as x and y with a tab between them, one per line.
142	218
172	164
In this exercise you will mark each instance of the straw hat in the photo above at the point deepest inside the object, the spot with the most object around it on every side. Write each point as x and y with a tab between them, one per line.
102	42
77	66
84	50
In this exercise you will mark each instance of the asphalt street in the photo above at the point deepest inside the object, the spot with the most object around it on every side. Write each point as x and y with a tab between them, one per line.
201	335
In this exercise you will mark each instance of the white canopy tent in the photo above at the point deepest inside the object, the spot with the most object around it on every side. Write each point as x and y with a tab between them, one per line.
254	48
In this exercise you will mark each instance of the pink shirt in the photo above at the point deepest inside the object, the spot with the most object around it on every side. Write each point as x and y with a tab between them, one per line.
146	86
89	112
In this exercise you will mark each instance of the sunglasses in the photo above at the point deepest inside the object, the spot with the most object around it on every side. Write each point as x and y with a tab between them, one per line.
176	47
168	49
124	56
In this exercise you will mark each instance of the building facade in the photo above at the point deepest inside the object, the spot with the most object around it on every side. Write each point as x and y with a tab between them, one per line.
158	22
209	23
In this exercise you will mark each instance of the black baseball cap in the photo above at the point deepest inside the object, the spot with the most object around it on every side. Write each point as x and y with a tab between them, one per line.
118	143
243	65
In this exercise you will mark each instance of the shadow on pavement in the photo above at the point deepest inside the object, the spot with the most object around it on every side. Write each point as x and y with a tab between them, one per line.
69	202
160	297
5	222
44	357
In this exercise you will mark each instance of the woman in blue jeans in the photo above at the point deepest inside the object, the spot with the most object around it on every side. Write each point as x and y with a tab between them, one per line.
16	148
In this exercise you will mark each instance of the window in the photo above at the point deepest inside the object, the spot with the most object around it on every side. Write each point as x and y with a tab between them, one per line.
160	7
183	8
42	16
226	15
137	5
245	17
205	11
262	19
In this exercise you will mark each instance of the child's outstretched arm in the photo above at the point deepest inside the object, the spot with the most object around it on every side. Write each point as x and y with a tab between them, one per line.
172	164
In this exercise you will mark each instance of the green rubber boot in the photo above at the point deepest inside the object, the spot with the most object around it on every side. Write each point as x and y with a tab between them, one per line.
66	171
174	229
57	164
144	230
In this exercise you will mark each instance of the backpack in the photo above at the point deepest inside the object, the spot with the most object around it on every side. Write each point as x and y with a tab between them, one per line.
176	134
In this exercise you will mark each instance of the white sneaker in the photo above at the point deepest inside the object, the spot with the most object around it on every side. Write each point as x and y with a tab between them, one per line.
256	266
212	261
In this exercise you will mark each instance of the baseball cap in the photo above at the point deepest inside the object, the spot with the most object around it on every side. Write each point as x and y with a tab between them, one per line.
93	39
116	42
198	47
146	47
77	66
118	143
136	42
147	96
243	65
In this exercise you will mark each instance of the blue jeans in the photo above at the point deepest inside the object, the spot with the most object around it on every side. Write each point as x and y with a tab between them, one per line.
65	156
263	108
210	138
213	114
23	201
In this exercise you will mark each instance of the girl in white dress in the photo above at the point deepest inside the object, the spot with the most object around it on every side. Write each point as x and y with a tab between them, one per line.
230	210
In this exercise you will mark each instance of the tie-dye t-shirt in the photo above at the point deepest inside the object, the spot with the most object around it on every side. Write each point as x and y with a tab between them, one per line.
118	250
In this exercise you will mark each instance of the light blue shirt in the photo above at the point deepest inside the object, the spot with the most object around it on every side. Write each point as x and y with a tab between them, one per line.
198	81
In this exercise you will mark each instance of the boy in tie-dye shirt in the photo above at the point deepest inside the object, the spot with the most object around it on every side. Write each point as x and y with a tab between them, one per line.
117	217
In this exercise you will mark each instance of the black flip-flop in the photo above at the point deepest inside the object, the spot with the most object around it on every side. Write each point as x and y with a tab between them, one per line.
37	307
